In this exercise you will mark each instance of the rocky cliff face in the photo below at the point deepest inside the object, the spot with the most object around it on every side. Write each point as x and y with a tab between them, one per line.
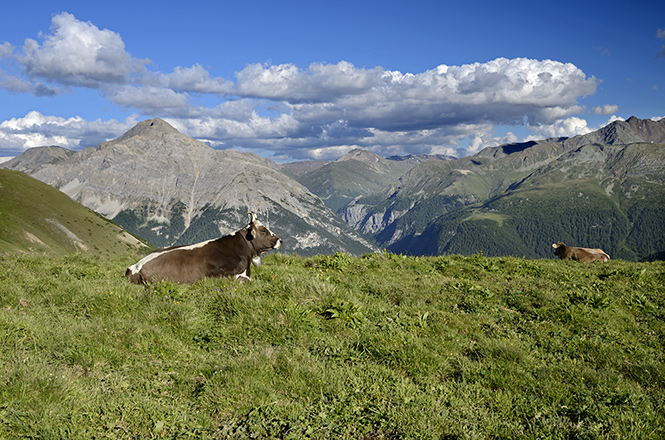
170	189
631	131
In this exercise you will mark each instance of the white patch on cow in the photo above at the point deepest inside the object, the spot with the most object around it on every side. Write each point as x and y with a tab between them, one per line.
256	261
136	268
242	275
194	246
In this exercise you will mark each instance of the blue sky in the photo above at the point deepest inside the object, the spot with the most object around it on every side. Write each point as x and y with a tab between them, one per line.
298	80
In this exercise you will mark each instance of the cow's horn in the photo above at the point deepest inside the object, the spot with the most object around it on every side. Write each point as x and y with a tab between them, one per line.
252	216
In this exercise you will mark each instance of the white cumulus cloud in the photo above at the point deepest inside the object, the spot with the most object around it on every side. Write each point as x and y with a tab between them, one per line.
287	110
319	83
382	109
562	128
36	129
192	79
78	53
6	49
150	99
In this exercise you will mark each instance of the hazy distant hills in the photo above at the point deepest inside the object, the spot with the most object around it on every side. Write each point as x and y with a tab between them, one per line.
171	189
37	217
34	159
358	172
517	199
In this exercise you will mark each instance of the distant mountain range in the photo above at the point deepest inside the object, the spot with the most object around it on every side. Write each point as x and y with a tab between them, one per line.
604	189
357	173
170	189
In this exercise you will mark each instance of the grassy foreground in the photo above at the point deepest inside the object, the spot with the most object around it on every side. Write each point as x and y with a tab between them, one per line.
371	347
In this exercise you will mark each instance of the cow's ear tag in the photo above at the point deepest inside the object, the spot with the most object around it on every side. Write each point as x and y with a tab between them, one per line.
251	233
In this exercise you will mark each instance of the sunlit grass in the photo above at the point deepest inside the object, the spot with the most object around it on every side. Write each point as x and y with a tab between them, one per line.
378	346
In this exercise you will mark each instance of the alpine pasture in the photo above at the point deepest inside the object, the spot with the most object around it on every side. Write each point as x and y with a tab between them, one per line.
379	346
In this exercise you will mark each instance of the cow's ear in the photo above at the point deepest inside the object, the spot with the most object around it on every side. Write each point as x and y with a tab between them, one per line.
251	233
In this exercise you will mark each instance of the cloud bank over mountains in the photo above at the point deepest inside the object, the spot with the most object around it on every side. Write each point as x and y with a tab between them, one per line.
289	112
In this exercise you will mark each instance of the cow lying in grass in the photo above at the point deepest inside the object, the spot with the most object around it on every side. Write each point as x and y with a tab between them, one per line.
581	254
228	256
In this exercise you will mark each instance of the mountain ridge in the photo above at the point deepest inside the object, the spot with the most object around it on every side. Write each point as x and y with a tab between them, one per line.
418	204
171	189
33	159
456	199
357	173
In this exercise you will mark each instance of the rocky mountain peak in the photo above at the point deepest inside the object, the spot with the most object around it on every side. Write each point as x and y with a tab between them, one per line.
159	139
150	128
361	155
648	130
631	131
165	186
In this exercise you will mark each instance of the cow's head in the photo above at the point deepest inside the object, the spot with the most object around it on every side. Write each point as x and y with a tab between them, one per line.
558	248
261	238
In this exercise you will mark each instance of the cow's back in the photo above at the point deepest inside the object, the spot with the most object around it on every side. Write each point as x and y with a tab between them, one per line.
580	254
225	256
228	256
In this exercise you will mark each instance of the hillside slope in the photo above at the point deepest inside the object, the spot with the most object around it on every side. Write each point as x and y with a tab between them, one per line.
597	196
37	217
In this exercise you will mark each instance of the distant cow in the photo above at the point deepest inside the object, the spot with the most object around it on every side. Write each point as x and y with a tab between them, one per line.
581	254
228	256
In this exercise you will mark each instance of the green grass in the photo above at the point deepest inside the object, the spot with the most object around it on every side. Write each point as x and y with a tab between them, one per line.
39	218
479	215
372	347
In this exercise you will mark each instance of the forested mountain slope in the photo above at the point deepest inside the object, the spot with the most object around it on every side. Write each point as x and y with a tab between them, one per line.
517	199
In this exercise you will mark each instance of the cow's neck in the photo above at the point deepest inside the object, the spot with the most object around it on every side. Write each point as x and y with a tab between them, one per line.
250	243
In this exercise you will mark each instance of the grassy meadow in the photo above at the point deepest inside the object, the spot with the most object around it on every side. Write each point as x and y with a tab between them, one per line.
334	347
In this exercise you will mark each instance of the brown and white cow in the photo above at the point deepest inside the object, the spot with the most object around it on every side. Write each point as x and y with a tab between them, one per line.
228	256
581	254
